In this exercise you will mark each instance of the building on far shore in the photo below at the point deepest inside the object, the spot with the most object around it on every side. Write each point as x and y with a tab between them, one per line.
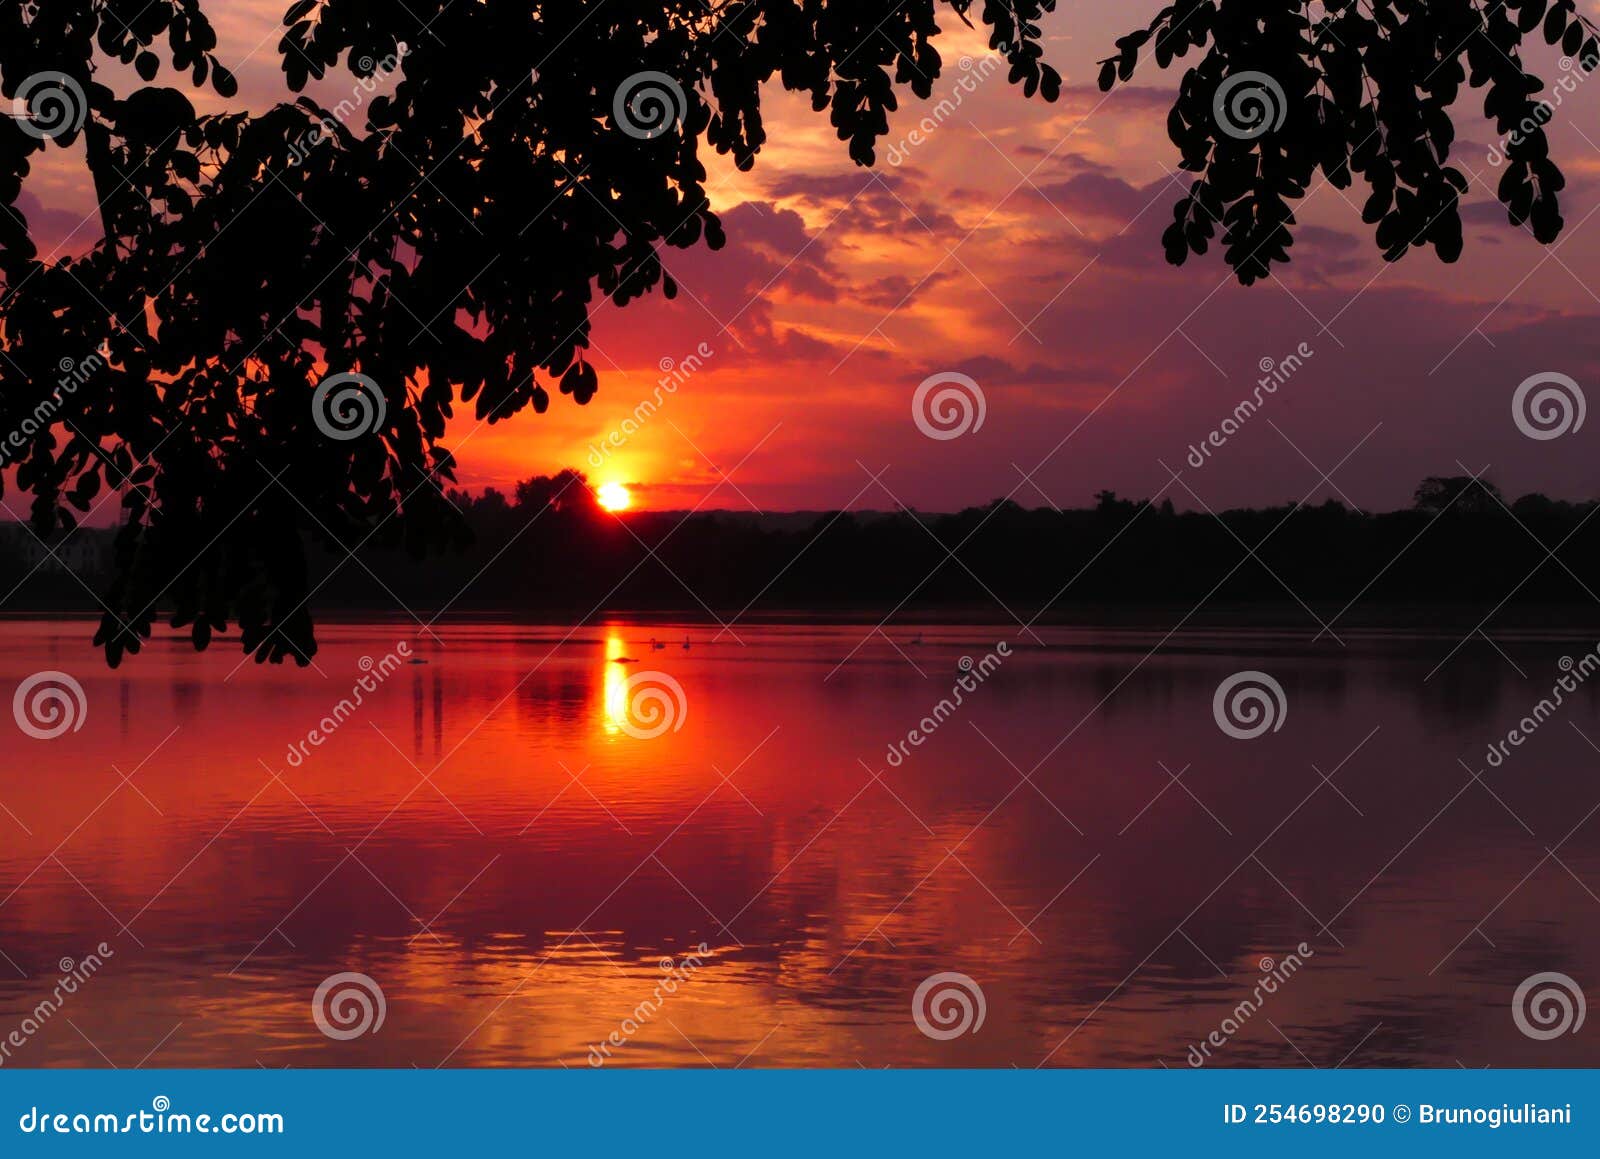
85	552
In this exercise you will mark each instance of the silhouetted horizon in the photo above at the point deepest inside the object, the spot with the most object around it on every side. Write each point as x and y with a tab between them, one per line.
550	549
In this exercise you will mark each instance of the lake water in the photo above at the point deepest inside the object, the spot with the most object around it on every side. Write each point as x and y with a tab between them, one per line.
495	839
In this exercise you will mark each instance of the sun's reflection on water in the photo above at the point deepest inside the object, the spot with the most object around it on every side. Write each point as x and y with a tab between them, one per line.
616	684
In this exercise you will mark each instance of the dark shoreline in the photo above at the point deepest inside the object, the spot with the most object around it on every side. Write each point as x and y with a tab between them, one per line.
1564	620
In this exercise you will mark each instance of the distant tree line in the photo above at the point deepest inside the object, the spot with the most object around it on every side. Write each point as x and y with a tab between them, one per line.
548	547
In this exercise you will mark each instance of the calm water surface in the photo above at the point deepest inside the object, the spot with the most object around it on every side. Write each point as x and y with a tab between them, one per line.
489	840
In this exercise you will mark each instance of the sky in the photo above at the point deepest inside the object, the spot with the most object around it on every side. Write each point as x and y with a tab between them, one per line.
1018	245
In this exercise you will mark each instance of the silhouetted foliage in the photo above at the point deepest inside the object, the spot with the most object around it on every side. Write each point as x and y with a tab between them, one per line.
1285	91
1462	494
450	248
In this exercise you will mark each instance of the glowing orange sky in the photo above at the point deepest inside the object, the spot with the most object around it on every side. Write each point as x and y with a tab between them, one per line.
1018	245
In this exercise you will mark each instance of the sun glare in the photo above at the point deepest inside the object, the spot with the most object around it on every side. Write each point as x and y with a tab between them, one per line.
614	497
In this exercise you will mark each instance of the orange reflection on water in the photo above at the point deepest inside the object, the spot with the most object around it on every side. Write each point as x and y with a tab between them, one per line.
492	839
615	678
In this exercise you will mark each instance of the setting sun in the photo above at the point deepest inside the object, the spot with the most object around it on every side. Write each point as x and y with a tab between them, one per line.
614	497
